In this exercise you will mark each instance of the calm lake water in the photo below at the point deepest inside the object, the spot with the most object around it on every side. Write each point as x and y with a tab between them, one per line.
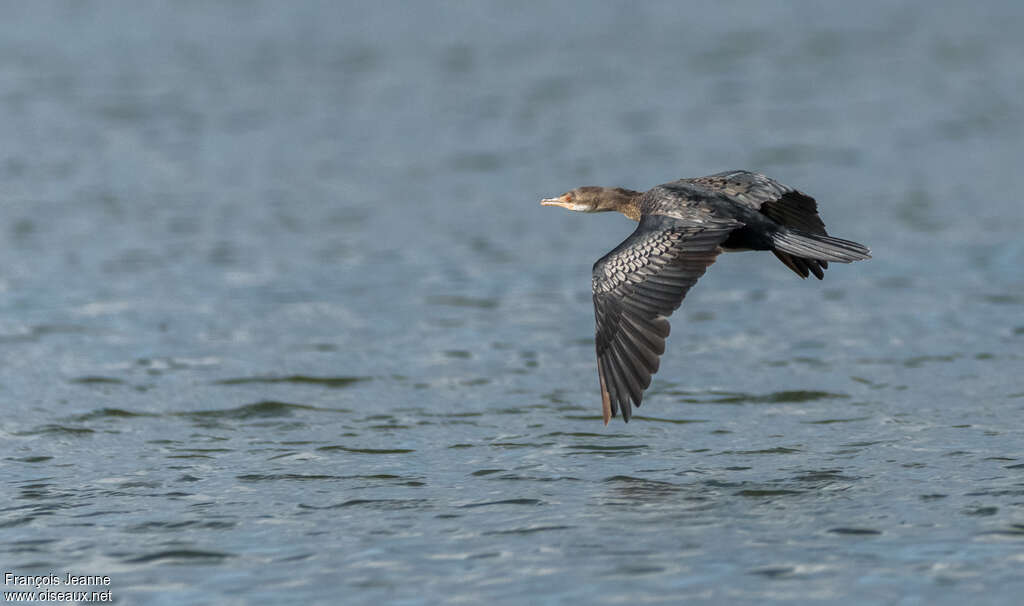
283	321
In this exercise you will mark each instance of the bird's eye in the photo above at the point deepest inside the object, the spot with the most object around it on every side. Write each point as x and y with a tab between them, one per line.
568	197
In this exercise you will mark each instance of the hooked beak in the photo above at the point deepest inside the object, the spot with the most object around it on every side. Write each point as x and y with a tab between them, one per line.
564	202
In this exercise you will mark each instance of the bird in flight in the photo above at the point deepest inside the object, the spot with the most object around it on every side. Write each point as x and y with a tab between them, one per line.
684	225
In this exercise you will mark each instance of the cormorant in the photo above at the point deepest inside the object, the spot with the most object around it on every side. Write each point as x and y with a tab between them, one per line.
684	225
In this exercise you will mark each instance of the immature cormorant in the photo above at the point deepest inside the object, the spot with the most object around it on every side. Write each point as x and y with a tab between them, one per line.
684	225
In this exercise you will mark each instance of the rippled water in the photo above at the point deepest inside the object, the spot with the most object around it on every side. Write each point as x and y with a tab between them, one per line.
282	320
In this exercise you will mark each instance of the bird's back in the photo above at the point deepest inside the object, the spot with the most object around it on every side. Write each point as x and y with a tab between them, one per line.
689	201
680	199
746	187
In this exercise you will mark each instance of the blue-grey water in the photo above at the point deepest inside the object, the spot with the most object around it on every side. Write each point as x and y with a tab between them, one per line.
282	321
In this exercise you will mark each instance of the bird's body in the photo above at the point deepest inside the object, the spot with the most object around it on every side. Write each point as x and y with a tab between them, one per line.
684	225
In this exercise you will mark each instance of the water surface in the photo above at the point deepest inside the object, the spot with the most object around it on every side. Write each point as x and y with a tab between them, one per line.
282	320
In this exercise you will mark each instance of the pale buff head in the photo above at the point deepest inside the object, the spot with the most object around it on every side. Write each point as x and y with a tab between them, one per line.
596	199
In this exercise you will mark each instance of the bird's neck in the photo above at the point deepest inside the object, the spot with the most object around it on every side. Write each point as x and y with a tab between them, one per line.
627	202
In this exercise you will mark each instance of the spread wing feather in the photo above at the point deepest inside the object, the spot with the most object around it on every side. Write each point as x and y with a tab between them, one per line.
636	287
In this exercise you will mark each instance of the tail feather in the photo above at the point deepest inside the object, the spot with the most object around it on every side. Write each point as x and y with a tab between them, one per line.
819	247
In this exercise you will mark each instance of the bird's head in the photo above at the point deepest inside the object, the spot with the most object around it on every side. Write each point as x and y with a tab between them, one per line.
596	199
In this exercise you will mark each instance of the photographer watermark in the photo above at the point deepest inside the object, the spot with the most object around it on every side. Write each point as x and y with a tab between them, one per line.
56	588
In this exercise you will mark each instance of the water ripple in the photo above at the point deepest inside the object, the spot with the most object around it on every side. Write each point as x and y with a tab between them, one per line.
331	382
262	409
183	556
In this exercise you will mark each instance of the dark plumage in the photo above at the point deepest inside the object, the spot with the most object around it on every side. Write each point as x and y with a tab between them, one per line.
684	225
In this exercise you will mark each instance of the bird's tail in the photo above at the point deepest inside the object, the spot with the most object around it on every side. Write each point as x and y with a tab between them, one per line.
820	247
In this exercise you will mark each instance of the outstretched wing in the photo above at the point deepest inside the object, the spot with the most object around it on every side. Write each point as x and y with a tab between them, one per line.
636	287
778	202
